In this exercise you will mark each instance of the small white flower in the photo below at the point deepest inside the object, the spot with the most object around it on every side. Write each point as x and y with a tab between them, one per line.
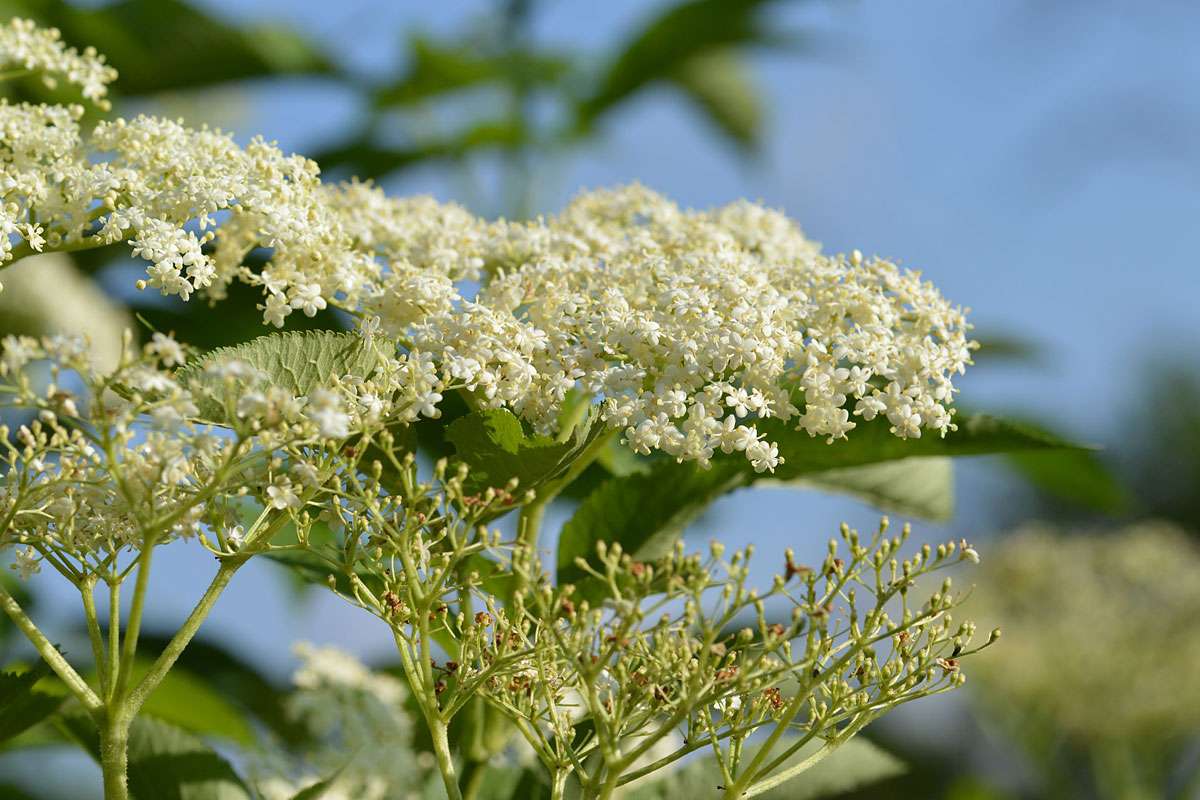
307	296
281	495
166	349
325	409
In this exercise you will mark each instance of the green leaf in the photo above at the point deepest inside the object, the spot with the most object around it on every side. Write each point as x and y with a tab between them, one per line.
297	362
21	707
872	442
496	447
669	41
317	790
233	679
1078	477
645	512
911	487
185	700
854	764
161	45
722	88
437	68
166	762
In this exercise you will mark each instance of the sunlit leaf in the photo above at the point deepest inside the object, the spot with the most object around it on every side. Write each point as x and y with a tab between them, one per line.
296	362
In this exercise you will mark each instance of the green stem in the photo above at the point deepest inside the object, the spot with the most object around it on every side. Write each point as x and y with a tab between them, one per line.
558	791
49	653
114	756
87	591
183	636
136	609
438	732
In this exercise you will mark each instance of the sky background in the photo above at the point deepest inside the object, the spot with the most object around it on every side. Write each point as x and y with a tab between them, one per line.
1037	161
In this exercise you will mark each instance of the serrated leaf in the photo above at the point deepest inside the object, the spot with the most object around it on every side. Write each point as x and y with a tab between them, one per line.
21	707
166	762
495	446
911	487
297	362
645	512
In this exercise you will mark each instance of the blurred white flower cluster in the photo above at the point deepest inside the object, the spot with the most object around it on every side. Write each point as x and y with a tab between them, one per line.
686	327
360	733
25	46
1101	635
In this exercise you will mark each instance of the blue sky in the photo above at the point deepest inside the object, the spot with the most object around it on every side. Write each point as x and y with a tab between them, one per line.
1038	161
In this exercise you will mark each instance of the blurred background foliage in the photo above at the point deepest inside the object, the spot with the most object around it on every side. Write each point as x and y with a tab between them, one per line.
485	100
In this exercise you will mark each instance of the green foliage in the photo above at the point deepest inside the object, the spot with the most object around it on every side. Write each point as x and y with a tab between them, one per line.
723	90
21	706
496	447
854	764
191	703
167	45
297	362
646	511
166	762
912	487
679	46
437	68
244	689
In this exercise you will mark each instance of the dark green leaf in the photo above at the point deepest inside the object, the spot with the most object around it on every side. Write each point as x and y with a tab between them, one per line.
317	790
160	45
234	679
645	512
496	447
659	50
21	707
438	68
722	88
185	700
166	762
1076	476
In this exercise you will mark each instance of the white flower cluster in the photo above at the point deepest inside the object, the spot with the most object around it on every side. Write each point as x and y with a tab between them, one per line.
361	733
25	46
142	469
686	327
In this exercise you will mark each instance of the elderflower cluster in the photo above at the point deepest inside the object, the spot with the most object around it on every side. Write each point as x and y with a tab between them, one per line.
25	46
114	460
1098	630
687	328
